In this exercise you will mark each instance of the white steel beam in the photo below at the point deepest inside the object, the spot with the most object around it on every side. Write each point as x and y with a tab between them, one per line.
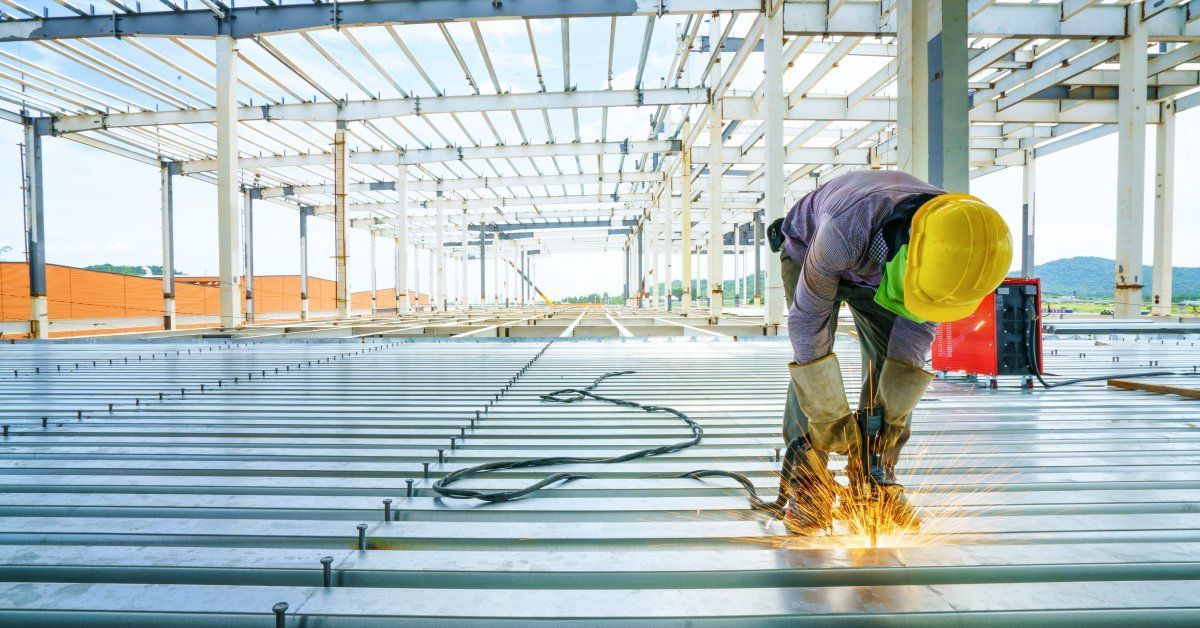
1164	211
1169	18
496	203
803	155
1172	58
226	165
1131	168
391	107
471	183
1063	73
834	108
999	19
432	155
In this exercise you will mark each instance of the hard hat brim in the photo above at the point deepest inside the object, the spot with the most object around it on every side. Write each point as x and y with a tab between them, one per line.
938	313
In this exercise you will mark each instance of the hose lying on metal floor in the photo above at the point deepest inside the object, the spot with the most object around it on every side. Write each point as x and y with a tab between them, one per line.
574	395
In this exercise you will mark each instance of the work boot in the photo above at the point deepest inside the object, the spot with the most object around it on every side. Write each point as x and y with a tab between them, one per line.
810	507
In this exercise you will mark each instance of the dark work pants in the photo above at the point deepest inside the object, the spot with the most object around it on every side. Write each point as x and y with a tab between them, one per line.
874	325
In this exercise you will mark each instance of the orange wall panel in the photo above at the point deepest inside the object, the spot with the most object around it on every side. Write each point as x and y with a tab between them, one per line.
80	293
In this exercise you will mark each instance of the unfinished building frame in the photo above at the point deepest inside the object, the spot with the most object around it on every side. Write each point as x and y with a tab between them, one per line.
241	97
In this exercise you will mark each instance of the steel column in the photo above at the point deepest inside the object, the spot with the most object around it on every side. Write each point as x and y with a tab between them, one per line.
685	221
440	262
35	235
403	305
716	190
1028	212
168	244
625	293
737	266
1131	165
669	242
524	284
305	212
340	222
932	109
1164	210
652	262
774	105
758	244
374	246
248	253
510	287
639	283
227	180
482	264
464	252
398	283
435	296
496	269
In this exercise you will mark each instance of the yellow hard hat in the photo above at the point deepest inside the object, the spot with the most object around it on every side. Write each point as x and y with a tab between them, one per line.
959	251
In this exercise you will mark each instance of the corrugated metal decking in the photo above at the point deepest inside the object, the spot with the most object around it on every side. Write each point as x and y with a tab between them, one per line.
212	506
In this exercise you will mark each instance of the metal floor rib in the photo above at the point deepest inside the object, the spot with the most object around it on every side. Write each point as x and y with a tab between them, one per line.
208	506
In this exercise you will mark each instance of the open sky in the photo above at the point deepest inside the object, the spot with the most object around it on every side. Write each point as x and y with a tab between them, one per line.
102	208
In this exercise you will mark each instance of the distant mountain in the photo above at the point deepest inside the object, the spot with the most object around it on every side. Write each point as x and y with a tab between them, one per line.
1092	277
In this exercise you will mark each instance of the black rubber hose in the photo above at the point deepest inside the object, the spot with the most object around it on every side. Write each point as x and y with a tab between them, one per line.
1035	362
573	395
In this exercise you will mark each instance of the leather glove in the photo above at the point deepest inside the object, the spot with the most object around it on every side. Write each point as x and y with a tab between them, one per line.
900	389
822	397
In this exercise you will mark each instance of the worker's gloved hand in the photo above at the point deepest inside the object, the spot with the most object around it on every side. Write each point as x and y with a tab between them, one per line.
822	398
900	388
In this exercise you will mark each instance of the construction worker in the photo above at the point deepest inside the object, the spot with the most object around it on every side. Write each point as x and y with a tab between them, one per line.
904	256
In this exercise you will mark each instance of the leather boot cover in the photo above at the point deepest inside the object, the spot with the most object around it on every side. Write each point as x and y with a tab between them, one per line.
822	398
900	389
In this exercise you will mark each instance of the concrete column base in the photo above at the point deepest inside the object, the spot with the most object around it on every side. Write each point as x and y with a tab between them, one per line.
39	320
169	322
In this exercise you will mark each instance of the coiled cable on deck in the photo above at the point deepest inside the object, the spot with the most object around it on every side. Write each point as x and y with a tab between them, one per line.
574	395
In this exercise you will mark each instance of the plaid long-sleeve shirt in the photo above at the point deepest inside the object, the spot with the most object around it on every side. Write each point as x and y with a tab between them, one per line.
828	234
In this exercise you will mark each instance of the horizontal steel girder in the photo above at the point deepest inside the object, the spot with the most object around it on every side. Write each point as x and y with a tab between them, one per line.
482	183
430	155
833	108
1030	21
811	17
389	107
489	203
280	18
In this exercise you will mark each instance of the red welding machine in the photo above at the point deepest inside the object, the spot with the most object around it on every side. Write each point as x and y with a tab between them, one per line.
1002	337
